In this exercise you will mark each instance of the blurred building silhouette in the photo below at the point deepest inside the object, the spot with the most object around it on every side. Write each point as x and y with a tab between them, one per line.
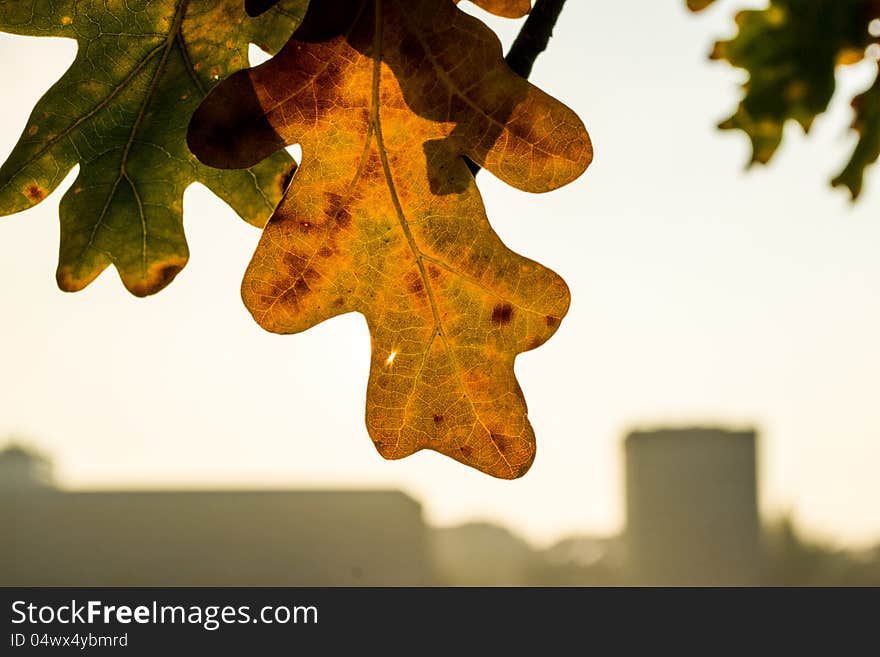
692	509
205	538
692	519
481	554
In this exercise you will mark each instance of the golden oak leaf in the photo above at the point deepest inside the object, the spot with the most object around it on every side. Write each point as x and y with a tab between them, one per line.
384	217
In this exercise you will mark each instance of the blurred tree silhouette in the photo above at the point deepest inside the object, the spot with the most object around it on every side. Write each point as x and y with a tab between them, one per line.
792	561
791	50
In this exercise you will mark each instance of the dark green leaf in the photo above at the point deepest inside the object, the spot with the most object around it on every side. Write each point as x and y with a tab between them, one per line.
121	112
790	50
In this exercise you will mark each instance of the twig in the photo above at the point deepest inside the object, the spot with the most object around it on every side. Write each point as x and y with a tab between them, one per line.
534	36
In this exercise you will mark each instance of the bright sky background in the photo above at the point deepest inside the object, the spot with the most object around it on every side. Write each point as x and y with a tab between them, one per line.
700	294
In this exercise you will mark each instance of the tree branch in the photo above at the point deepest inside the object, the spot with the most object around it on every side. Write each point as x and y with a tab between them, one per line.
534	36
531	41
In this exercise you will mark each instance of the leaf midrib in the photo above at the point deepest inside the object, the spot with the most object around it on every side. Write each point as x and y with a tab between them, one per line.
171	39
378	43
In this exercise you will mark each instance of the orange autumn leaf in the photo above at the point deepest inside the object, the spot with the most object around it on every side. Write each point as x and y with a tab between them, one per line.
383	216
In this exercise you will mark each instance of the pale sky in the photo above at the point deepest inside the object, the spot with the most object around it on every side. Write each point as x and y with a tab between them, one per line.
701	294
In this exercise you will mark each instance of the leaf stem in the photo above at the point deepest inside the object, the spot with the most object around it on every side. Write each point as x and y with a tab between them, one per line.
534	36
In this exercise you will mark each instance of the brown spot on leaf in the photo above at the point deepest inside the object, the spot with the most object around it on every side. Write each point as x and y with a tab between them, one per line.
373	171
290	298
438	419
550	320
302	284
336	210
35	193
166	274
334	202
502	314
500	441
466	451
343	219
34	129
325	252
157	277
414	283
293	262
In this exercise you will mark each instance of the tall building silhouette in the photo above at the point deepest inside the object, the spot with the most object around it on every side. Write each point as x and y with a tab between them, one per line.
692	511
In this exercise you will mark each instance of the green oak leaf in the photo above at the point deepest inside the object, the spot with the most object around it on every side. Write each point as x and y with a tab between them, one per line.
790	50
121	111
